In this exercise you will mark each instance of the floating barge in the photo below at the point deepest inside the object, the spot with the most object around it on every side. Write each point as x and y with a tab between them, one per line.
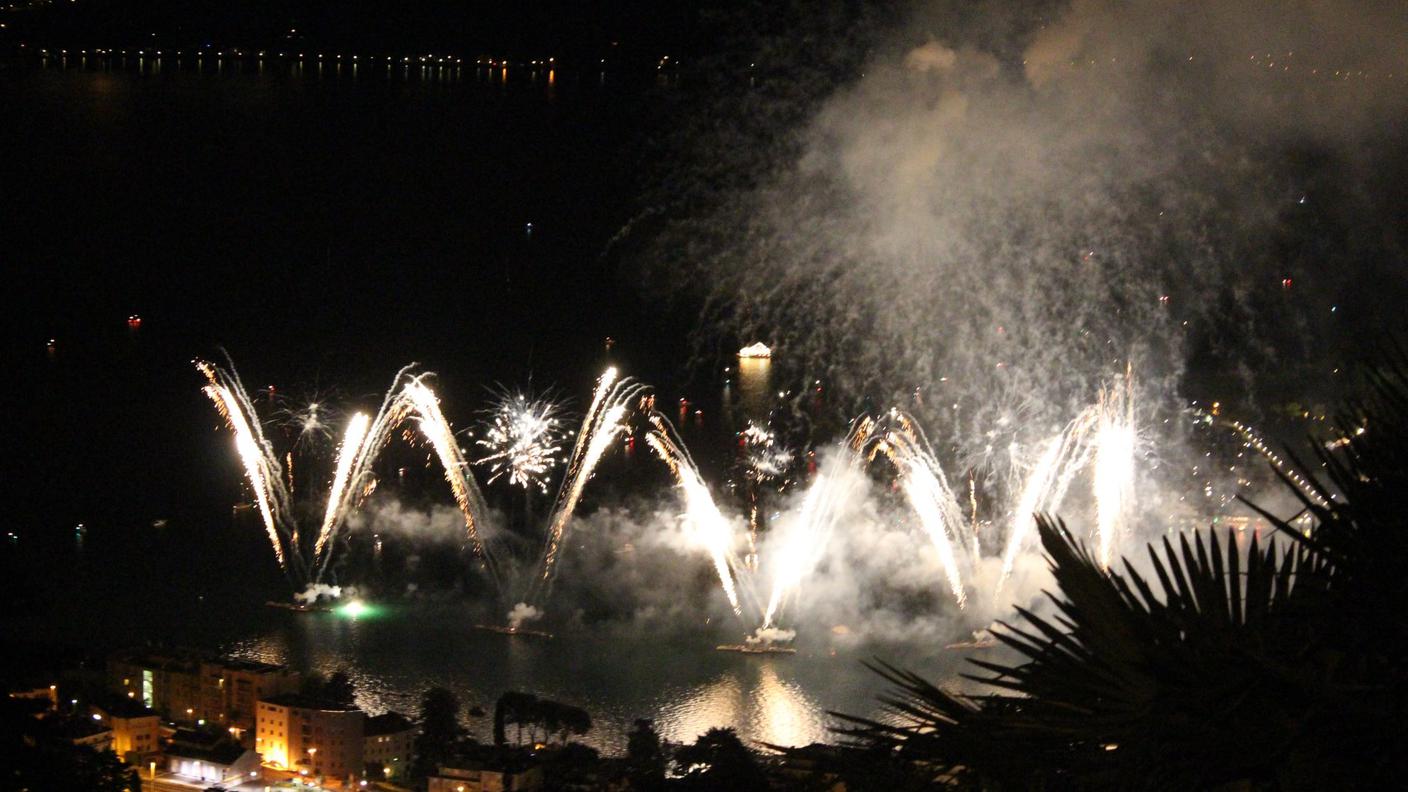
299	607
503	630
766	649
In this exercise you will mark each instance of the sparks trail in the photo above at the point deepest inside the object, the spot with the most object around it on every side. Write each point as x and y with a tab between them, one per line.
927	489
1100	441
353	478
706	525
261	464
1104	431
604	422
436	429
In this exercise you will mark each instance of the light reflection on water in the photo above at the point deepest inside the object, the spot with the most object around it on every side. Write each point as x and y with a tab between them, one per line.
685	687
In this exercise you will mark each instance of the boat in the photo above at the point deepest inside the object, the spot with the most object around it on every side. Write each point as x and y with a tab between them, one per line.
299	607
756	649
506	630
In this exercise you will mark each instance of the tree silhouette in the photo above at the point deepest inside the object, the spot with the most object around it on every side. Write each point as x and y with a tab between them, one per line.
339	689
718	760
439	730
645	759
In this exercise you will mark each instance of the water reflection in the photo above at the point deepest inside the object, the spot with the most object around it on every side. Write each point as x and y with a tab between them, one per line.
685	688
755	700
755	387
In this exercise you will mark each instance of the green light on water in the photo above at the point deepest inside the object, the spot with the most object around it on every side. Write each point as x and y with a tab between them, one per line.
355	609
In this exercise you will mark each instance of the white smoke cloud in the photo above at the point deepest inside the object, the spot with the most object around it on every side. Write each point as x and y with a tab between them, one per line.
437	522
998	214
521	614
317	591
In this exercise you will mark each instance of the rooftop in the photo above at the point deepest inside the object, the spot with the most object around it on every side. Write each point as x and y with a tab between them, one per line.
387	723
222	753
494	758
115	707
190	659
308	702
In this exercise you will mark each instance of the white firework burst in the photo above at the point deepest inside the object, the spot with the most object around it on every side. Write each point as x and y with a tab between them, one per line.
523	439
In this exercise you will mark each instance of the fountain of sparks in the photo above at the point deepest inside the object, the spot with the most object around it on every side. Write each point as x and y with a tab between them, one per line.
353	477
928	492
1100	442
524	437
807	534
605	421
1104	432
705	524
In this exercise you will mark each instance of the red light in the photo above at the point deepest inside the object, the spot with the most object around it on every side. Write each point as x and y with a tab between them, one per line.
1285	283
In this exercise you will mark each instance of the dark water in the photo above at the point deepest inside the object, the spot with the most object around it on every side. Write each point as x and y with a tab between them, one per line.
327	229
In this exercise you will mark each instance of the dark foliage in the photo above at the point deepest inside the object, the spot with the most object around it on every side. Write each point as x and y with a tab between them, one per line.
543	717
36	754
1277	665
440	729
718	760
645	759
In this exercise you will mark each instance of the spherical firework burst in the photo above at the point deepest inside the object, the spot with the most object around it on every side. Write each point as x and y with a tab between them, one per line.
523	439
310	420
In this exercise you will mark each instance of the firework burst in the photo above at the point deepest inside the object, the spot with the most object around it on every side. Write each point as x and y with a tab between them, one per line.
523	438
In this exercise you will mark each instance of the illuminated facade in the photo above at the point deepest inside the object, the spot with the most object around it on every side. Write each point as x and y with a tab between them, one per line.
136	730
189	688
321	738
206	758
389	740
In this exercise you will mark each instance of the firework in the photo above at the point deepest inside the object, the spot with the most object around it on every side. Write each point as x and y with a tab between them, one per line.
1114	467
765	458
353	479
524	438
808	534
426	407
347	455
261	466
311	421
1105	432
928	492
706	525
604	422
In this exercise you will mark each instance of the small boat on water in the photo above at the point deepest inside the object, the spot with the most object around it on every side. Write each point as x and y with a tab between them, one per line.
299	607
756	649
506	630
